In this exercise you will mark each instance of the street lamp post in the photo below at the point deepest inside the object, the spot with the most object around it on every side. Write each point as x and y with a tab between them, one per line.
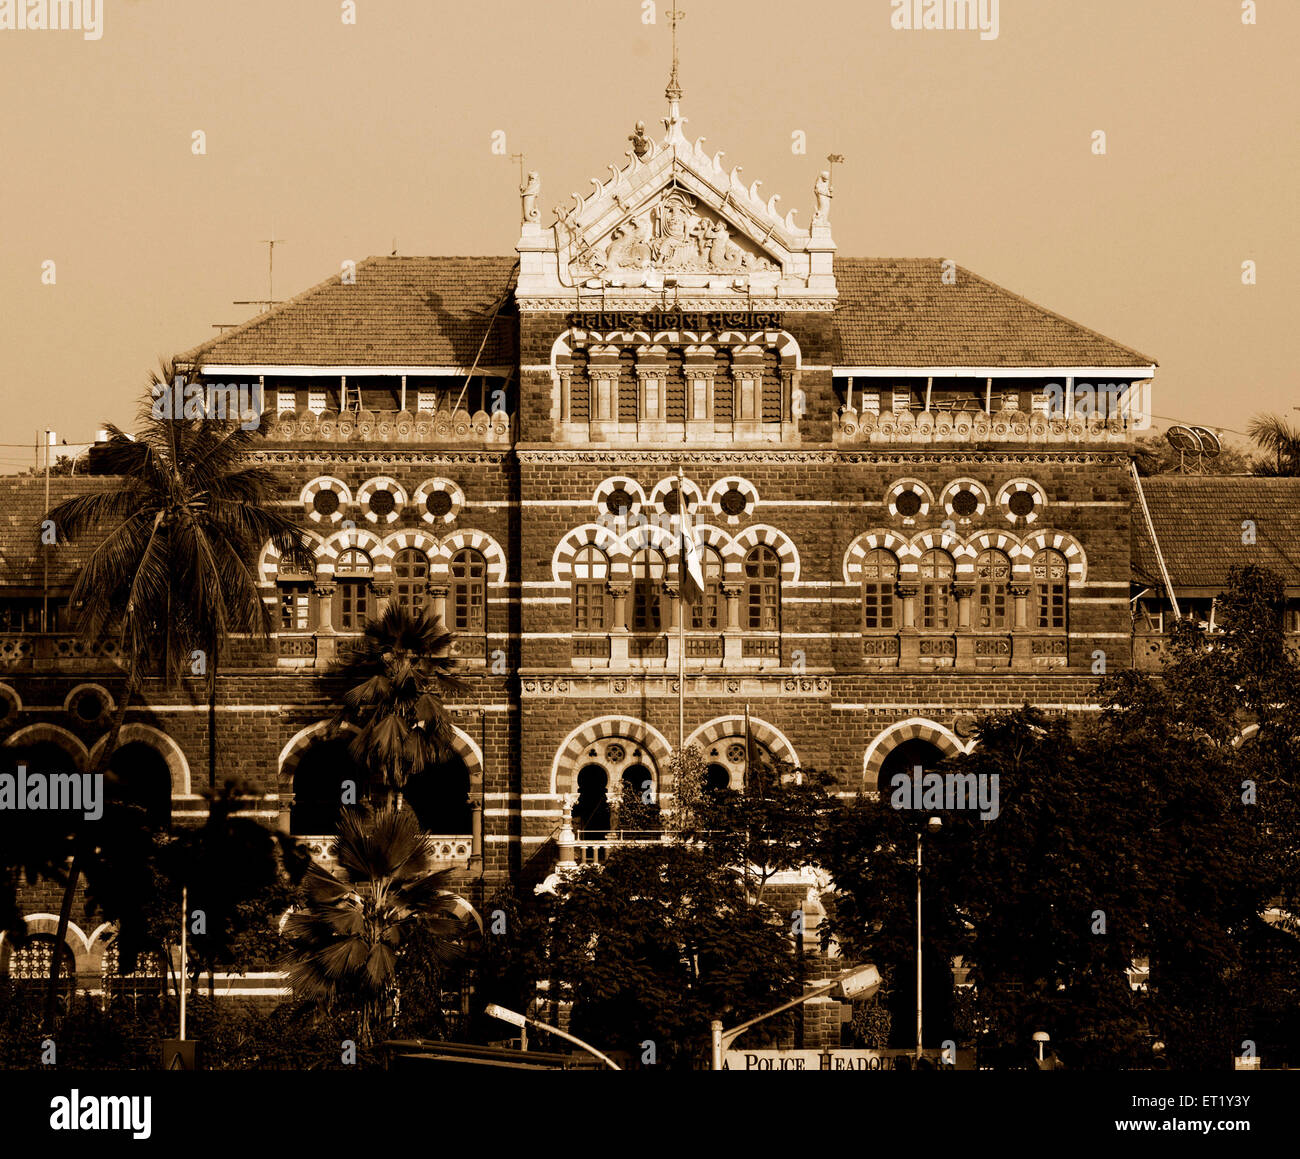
861	982
934	823
1041	1037
522	1020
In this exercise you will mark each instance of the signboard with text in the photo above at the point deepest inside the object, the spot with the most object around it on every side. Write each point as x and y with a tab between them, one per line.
837	1059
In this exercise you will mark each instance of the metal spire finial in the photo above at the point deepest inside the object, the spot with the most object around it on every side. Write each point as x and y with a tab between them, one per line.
674	90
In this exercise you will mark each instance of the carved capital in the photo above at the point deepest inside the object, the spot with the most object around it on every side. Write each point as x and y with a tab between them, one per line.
732	591
619	591
382	591
908	591
962	591
436	591
1020	590
325	591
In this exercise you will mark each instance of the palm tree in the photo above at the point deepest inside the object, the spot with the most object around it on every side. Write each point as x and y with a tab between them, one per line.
173	573
397	676
346	942
1275	436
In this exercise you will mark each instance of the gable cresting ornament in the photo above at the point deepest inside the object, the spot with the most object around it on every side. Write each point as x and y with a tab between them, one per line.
674	220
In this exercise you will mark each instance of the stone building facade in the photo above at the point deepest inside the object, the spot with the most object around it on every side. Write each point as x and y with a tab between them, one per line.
911	489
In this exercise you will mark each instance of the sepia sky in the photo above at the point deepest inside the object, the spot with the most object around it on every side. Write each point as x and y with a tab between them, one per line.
342	139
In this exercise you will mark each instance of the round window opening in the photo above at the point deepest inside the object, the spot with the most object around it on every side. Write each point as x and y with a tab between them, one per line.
733	502
382	503
669	502
908	503
325	503
965	503
88	706
619	501
438	503
1021	503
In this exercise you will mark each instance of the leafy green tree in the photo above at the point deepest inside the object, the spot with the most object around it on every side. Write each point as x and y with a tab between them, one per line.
347	939
1279	441
173	570
396	678
657	942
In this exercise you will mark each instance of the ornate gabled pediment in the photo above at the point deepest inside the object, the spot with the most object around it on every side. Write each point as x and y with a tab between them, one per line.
675	219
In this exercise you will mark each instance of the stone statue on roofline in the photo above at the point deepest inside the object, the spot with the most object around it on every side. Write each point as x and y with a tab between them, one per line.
640	142
822	198
528	196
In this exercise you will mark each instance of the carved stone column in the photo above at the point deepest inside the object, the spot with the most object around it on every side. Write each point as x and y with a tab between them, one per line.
618	633
1020	593
437	595
732	648
383	593
1022	643
325	643
566	838
909	643
325	607
964	657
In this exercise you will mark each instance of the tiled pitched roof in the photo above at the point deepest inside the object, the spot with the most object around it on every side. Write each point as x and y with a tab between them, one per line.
1198	521
898	312
22	507
432	311
401	311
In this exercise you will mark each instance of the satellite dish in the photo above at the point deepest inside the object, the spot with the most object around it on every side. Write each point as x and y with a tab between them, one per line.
1210	444
1184	440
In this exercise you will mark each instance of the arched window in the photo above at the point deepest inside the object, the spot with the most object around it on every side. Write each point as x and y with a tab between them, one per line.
590	591
468	591
591	810
707	614
410	574
879	576
295	587
138	775
717	779
647	590
763	589
992	574
319	788
936	590
439	796
1050	577
353	573
29	967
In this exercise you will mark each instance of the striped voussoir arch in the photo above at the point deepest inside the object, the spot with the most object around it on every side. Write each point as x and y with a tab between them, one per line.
411	538
572	753
914	728
363	540
1075	559
589	534
778	541
868	541
479	541
268	563
733	727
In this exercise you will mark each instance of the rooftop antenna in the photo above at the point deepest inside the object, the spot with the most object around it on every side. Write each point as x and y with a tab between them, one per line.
270	300
1185	441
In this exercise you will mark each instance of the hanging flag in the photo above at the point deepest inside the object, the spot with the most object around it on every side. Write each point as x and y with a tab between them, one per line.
692	573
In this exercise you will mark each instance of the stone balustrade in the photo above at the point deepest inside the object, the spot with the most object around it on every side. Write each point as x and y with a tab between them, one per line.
966	427
422	427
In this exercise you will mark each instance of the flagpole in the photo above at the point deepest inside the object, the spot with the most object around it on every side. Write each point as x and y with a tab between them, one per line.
681	616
